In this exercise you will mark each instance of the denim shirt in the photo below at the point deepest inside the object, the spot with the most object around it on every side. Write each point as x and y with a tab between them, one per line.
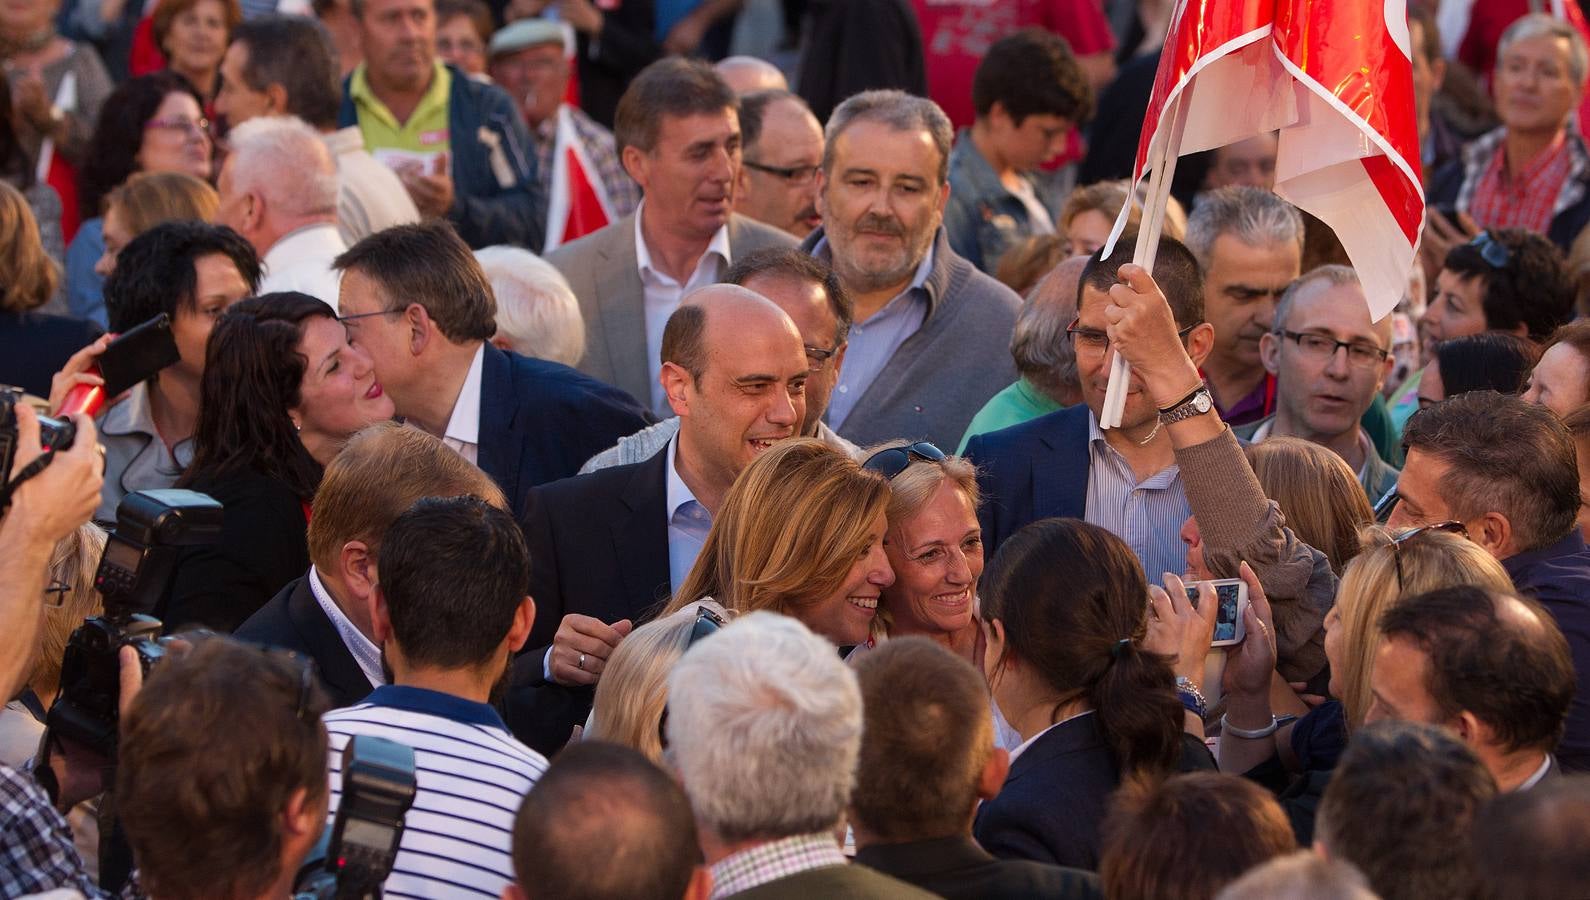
983	218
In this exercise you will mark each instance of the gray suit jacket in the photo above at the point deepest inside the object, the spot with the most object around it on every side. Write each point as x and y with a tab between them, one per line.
601	269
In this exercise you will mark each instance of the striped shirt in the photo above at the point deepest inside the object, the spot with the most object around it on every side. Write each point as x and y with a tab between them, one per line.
471	775
1146	514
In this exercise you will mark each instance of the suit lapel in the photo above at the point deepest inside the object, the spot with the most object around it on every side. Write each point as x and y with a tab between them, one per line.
499	443
1060	475
640	536
621	303
336	663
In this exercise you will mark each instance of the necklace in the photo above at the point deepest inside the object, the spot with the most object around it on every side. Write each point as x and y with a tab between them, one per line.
1151	435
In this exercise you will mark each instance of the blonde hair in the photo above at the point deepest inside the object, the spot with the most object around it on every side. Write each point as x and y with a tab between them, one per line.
150	198
73	563
1370	586
1107	197
788	532
1319	495
634	688
28	277
912	489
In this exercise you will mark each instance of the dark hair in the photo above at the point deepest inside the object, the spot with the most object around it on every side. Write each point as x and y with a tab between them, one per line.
670	87
155	272
1075	606
684	340
428	264
1190	836
927	737
166	12
1534	843
1517	679
1534	289
790	262
605	823
1430	44
1504	455
1399	807
1175	271
112	152
253	372
477	12
453	572
215	745
295	52
1488	361
753	110
1032	72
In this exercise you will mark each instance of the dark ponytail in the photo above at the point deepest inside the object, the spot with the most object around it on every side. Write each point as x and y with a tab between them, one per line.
1075	604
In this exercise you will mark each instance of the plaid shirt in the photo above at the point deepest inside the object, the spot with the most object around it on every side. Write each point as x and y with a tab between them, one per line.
36	849
600	149
1551	183
774	860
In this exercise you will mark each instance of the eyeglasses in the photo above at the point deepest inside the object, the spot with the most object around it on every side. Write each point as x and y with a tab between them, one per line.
1094	340
1495	253
1451	527
55	594
819	357
795	175
707	624
891	461
384	312
1319	348
199	126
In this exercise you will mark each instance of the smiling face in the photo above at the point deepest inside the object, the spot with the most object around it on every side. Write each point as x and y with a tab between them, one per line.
688	176
937	557
846	617
1093	364
881	203
339	394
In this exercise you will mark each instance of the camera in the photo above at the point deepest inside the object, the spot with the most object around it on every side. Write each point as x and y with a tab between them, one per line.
1232	595
152	528
54	434
377	790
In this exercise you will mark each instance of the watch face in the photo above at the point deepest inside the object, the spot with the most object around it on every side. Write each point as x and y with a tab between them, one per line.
1201	402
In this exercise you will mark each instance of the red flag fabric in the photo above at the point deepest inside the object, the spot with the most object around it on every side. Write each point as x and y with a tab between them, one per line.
55	171
577	203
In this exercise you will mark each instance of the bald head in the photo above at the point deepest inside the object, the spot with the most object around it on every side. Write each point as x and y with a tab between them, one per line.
721	313
747	74
1039	343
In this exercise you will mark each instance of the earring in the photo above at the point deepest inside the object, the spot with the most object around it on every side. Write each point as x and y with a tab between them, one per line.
296	426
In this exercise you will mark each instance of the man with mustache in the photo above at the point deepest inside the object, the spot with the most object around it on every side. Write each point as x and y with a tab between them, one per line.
931	338
458	145
1249	244
678	133
783	152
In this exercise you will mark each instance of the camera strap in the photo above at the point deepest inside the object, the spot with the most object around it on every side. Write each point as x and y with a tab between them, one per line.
28	471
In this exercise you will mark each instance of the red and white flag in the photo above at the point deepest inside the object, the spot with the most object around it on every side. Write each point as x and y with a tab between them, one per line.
56	172
577	203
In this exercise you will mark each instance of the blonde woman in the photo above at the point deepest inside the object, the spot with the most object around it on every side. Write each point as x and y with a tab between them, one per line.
800	533
633	692
1319	495
144	201
1089	214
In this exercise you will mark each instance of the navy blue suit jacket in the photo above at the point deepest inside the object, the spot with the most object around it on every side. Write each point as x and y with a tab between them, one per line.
1035	470
540	421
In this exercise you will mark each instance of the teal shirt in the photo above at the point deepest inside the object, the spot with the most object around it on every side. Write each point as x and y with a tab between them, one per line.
1021	402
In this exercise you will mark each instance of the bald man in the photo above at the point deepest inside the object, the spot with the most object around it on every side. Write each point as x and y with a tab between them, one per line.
1044	358
609	546
748	74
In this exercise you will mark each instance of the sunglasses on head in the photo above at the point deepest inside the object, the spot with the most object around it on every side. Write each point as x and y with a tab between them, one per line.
891	461
707	624
1453	527
1495	253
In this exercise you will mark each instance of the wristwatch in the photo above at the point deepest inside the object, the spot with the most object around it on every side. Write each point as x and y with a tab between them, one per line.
1194	404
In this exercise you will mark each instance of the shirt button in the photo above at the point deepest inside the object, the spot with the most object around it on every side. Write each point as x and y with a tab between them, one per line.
844	389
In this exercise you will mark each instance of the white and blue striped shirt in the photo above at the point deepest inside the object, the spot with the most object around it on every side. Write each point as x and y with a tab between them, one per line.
471	775
1146	514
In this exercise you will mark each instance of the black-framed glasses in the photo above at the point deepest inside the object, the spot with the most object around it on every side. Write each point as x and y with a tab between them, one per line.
1096	339
55	593
1320	347
818	357
891	461
1495	253
796	175
1448	527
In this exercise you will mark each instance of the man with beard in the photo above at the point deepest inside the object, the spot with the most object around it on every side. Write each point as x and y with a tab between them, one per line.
458	145
783	152
930	341
678	133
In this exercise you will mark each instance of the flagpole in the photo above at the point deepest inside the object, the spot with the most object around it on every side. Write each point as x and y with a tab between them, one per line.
1149	229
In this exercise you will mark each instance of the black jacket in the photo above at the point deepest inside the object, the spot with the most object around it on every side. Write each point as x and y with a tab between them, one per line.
598	547
957	869
628	43
37	346
852	46
293	620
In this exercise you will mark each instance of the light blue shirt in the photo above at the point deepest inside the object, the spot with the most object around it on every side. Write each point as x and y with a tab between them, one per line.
1146	514
688	522
873	343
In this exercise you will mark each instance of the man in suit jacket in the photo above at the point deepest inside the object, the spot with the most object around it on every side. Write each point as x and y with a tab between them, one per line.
931	340
678	136
415	299
610	547
918	829
325	615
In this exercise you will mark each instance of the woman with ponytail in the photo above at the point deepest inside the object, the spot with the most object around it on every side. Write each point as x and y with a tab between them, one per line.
1065	612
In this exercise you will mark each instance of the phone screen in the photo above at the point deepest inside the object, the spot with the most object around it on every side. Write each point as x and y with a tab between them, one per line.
1227	595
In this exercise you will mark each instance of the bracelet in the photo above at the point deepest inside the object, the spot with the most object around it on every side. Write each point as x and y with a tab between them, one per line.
1188	396
1255	734
1192	699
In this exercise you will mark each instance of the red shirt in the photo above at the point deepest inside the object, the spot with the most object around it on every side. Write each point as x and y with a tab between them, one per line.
1525	201
956	34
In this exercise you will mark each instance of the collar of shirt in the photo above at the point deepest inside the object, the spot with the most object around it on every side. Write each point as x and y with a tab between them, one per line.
1030	741
1255	405
719	246
689	522
463	429
825	252
1100	446
1540	773
321	239
364	651
679	493
435	703
436	95
739	872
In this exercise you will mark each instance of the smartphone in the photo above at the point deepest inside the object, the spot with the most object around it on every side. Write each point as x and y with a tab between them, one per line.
1232	595
138	353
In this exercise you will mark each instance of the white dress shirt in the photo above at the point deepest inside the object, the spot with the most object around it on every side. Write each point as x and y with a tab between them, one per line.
663	293
463	429
301	261
364	651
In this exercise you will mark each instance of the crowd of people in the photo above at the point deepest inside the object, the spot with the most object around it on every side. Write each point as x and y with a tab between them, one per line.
702	477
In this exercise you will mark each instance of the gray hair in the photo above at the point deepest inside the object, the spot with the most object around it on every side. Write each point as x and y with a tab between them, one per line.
1039	342
284	160
536	309
899	111
1304	875
1255	216
1542	24
1336	275
764	728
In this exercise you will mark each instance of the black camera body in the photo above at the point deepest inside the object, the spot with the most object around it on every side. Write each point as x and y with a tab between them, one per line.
378	786
152	528
56	434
